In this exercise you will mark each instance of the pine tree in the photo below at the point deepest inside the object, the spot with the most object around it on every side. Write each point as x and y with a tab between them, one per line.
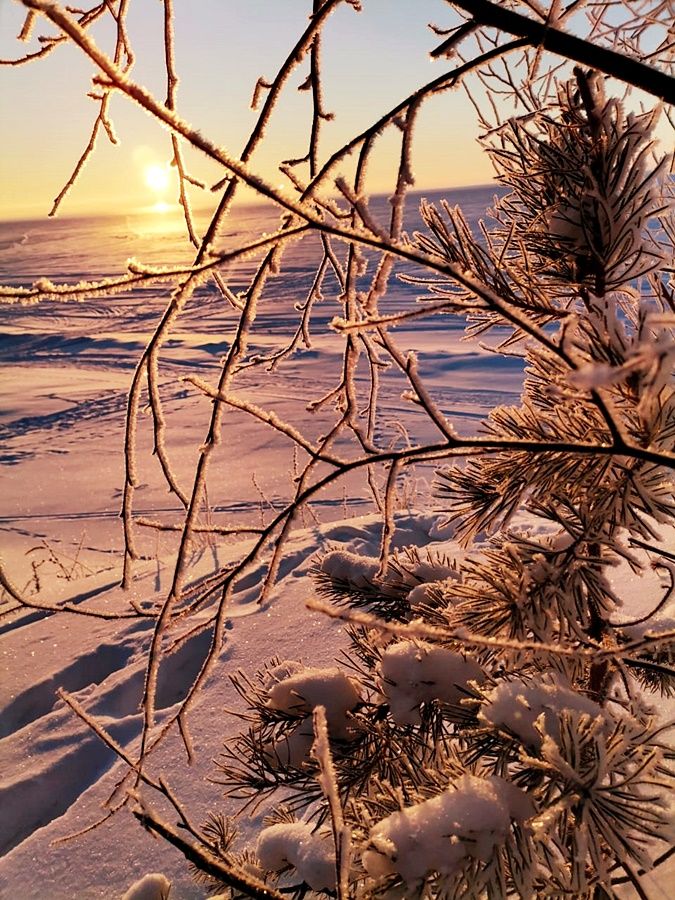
496	737
490	730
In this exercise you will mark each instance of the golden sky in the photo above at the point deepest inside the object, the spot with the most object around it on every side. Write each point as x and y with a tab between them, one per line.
371	60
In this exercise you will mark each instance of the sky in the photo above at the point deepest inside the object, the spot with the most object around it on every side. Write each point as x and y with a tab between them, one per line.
371	60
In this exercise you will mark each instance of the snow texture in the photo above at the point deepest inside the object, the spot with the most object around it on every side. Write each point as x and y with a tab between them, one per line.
470	819
411	570
153	886
412	673
303	688
357	571
422	594
310	853
517	705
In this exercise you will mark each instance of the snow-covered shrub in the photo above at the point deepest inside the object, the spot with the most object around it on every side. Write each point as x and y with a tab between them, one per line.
496	741
469	820
487	732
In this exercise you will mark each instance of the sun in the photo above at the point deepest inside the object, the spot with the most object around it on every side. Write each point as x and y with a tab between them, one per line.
157	177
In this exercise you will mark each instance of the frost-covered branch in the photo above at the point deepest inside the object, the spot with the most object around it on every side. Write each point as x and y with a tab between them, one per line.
497	681
542	34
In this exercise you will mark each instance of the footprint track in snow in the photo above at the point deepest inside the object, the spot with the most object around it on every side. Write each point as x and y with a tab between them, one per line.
40	698
70	761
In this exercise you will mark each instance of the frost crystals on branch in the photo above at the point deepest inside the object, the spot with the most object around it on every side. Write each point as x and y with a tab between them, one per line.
487	731
517	770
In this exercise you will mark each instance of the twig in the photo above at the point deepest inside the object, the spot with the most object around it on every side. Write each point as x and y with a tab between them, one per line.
541	34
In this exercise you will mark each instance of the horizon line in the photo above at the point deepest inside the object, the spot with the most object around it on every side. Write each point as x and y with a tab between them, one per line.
249	203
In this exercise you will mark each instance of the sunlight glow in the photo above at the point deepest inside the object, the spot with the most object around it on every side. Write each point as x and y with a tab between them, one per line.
157	178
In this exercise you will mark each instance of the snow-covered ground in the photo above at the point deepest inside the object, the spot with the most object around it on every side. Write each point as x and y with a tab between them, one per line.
65	374
66	371
55	774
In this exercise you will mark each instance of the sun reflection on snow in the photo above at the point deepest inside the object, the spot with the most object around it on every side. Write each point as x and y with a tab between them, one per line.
160	218
162	207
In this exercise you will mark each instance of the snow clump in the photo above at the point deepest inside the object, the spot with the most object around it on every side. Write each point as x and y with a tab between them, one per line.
407	569
153	886
425	594
295	844
418	570
413	672
470	819
517	705
297	689
355	570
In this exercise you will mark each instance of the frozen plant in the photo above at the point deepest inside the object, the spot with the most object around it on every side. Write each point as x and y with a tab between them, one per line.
412	673
470	819
487	733
500	742
296	845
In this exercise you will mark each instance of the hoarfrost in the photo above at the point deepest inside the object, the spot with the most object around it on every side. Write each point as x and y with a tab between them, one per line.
422	568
